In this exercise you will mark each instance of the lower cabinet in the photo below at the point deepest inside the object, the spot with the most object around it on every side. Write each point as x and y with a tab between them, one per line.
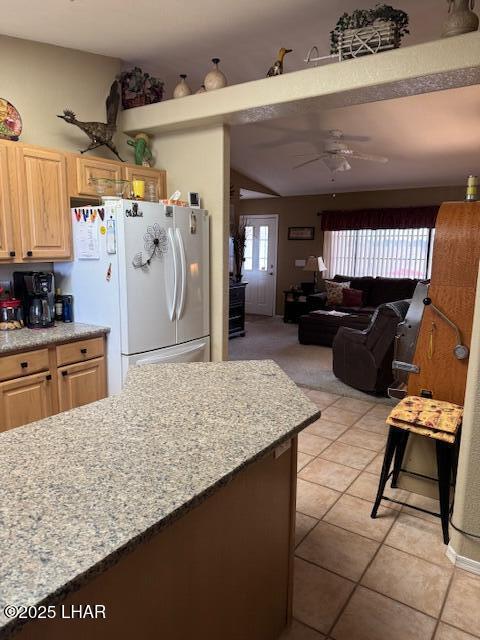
24	400
38	383
79	384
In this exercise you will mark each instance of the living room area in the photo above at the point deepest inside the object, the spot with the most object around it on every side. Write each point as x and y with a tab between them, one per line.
334	253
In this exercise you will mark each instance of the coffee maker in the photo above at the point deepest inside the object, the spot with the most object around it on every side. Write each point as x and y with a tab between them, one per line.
36	290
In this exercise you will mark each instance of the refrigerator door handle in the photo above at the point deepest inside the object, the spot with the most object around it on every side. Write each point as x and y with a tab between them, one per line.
171	356
183	264
171	305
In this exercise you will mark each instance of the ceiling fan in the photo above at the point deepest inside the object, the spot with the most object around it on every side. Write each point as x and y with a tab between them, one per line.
337	153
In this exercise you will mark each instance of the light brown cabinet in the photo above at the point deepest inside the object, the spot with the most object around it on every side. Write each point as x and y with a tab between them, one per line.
6	229
45	221
24	400
134	172
81	170
38	383
81	383
35	221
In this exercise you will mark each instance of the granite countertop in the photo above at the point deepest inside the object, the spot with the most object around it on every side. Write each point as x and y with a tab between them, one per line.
82	487
21	339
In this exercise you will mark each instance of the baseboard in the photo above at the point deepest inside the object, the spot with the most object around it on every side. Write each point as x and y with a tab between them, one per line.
473	566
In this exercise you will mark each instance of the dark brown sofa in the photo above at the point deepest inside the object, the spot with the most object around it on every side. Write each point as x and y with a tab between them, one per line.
363	359
376	291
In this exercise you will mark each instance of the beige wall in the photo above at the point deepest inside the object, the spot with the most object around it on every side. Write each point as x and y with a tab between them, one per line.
184	155
302	211
41	80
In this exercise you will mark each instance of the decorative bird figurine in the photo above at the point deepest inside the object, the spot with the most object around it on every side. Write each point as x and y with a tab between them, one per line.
100	133
277	68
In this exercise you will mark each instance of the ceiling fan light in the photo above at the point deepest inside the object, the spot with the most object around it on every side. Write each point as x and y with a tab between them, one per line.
337	164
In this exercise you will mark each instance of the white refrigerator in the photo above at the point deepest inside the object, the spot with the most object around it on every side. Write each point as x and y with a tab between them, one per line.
141	269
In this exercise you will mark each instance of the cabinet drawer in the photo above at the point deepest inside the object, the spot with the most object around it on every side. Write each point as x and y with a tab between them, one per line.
79	351
237	295
23	364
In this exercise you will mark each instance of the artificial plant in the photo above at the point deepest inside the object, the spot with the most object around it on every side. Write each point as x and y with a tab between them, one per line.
361	18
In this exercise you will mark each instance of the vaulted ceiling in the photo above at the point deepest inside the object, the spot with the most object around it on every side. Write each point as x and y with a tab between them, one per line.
431	139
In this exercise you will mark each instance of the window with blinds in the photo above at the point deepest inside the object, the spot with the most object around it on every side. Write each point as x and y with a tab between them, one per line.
391	253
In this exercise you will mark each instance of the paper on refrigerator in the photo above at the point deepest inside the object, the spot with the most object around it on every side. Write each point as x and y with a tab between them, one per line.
87	243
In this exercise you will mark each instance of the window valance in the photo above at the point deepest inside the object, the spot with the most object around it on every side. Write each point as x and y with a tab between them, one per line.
394	218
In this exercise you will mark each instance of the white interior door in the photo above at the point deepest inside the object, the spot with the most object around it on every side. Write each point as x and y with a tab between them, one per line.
260	266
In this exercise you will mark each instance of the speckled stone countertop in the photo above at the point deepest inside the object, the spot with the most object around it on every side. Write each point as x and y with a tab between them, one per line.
82	487
22	339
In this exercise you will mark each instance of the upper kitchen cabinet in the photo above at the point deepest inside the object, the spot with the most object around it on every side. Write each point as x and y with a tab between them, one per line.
81	170
44	222
158	176
7	251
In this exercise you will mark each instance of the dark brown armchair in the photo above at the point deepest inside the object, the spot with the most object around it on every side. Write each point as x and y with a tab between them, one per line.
363	359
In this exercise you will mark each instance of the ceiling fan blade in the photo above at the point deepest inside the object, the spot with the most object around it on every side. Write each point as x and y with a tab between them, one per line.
366	156
303	164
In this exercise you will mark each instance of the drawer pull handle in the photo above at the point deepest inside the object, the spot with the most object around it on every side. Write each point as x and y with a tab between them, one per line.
24	365
48	376
29	254
83	351
64	373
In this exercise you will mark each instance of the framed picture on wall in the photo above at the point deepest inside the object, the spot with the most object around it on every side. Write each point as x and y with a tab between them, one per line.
301	233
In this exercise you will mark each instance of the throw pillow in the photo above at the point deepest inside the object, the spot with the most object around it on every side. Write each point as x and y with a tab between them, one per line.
335	292
352	298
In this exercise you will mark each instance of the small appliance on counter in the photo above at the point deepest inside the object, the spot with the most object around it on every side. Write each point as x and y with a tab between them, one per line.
36	291
11	315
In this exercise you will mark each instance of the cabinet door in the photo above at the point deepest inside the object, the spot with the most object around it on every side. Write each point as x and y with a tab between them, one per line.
84	168
81	383
135	172
6	213
44	207
25	400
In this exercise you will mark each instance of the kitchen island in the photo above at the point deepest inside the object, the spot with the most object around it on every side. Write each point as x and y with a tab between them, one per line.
170	505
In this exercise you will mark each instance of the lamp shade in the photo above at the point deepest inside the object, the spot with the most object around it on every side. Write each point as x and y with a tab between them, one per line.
311	264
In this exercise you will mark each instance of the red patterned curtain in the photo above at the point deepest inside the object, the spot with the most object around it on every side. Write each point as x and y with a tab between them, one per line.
398	218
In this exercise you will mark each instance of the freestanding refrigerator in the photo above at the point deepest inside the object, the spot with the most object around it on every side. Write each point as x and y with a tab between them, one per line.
141	269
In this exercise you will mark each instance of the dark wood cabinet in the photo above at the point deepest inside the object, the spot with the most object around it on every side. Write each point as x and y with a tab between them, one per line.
236	315
295	305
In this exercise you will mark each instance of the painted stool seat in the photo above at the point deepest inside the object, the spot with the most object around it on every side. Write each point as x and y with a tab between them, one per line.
434	419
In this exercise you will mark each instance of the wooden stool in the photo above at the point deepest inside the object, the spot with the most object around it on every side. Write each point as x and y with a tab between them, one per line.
446	442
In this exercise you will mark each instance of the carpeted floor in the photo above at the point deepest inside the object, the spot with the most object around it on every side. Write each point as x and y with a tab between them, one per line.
308	365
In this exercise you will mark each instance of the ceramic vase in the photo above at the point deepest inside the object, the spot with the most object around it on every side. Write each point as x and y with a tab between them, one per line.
462	19
182	89
215	79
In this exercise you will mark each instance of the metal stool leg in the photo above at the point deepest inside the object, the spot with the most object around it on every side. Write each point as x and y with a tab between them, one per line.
399	453
387	461
444	468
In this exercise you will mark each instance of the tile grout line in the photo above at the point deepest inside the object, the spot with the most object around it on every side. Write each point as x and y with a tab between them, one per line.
443	604
340	613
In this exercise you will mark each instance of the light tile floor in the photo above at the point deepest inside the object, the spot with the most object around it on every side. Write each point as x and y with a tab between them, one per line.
363	579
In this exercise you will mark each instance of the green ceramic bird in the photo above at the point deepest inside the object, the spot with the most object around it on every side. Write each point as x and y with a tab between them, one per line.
277	68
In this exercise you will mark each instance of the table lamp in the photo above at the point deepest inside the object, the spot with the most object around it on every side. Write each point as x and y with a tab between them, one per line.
315	265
